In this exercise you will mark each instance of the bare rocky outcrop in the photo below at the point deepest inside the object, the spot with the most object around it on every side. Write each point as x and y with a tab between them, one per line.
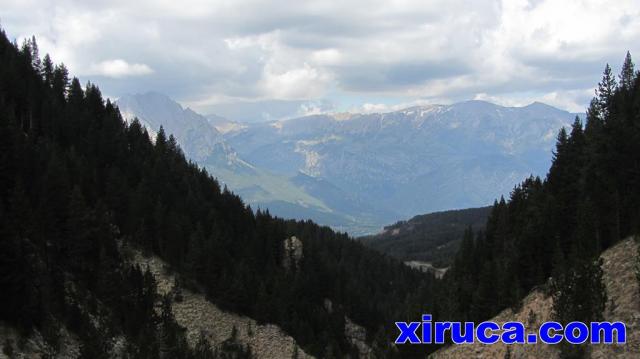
13	345
198	315
354	333
292	252
357	336
427	267
623	305
623	302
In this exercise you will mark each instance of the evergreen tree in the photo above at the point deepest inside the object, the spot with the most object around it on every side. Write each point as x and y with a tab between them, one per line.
627	75
174	344
605	91
637	264
578	295
203	349
60	82
483	303
47	70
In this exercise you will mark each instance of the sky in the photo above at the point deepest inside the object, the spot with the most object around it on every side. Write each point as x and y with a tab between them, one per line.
254	60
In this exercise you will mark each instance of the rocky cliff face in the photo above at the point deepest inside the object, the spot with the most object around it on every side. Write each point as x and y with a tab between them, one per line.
292	252
623	305
357	336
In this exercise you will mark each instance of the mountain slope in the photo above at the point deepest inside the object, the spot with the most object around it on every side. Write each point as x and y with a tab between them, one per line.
433	237
201	317
359	172
417	160
200	140
558	226
623	305
76	181
295	195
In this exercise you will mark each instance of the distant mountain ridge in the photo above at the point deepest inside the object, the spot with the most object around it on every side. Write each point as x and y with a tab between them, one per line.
203	143
196	136
359	172
417	160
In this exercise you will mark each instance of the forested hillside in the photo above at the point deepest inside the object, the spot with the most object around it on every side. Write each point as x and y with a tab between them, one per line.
75	180
558	226
433	237
622	305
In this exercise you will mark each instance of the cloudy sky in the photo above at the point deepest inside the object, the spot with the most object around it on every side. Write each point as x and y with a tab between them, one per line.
253	60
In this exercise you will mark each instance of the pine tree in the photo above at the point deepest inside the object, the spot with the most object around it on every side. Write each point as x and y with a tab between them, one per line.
483	302
203	349
605	91
60	82
161	141
47	70
35	55
627	75
195	260
637	264
578	295
173	344
76	93
79	234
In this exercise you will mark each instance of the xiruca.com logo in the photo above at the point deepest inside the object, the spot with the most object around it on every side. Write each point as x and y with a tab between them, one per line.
428	332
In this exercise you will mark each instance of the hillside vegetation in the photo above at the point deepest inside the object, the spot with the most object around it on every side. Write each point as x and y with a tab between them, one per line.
537	307
75	179
433	237
558	226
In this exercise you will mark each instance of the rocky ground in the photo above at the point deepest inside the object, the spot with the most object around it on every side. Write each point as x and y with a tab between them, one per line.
623	305
198	315
428	268
16	346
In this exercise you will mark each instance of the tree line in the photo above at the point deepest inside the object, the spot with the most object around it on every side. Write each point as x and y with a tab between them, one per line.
556	227
75	179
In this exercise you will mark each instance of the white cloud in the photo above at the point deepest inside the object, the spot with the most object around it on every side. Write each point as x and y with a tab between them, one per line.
119	68
570	100
374	107
573	100
378	51
327	57
308	109
305	82
500	100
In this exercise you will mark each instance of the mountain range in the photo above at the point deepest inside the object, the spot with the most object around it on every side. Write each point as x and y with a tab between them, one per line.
359	172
